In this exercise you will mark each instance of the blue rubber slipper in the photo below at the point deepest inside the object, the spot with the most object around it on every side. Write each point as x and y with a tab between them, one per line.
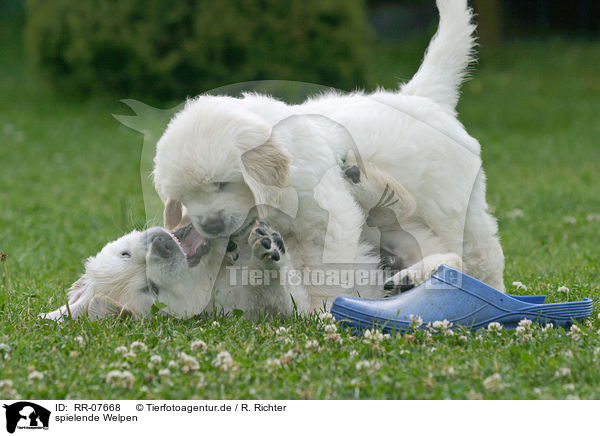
459	298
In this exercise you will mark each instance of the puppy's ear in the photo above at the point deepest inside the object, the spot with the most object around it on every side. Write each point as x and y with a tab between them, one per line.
172	214
77	305
265	170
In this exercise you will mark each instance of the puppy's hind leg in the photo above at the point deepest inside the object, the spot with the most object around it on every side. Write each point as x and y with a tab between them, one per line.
416	274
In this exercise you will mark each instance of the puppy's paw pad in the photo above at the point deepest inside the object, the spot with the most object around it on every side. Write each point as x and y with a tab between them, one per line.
266	243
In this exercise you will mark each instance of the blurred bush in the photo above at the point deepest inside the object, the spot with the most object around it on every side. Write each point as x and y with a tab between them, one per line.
170	49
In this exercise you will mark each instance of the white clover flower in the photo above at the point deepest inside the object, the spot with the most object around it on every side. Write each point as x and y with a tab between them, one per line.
519	285
570	220
363	364
224	361
353	353
494	327
273	363
5	348
130	354
563	289
118	378
311	345
216	324
35	375
525	323
6	388
189	362
330	328
548	326
493	383
415	321
199	344
372	336
563	372
281	331
368	364
79	340
524	332
325	317
593	217
138	347
448	371
569	387
575	332
515	213
154	361
172	364
462	338
165	372
441	325
121	350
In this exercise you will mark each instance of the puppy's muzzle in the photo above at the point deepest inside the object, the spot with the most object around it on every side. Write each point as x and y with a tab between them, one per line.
213	225
163	245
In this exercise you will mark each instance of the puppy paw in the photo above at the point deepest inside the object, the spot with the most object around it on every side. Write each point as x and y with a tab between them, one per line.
266	243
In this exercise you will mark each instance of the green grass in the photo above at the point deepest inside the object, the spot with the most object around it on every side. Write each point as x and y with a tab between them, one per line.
69	182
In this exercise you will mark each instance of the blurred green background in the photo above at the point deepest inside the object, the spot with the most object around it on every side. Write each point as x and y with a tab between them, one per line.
168	50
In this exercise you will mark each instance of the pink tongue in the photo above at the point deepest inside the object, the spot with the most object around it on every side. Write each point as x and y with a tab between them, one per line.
192	242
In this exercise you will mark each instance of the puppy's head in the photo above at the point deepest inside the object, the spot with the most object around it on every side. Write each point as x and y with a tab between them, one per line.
218	161
130	274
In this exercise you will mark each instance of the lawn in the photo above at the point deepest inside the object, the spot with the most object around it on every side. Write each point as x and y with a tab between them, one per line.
70	182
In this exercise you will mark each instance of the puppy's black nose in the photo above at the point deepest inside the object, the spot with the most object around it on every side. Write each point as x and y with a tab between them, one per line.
213	225
163	245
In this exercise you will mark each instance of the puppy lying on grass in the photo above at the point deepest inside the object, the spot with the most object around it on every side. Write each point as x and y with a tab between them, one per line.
129	275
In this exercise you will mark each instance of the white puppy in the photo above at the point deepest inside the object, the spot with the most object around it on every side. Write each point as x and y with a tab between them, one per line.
220	157
130	274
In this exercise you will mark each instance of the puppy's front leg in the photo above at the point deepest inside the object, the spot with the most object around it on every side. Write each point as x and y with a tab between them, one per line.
269	288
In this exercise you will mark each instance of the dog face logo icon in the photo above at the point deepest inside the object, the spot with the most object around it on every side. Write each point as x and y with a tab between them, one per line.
26	415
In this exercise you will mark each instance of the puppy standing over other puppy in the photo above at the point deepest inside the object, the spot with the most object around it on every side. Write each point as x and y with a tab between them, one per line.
220	157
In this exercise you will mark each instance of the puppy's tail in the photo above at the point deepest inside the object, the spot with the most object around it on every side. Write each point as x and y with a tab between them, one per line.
446	60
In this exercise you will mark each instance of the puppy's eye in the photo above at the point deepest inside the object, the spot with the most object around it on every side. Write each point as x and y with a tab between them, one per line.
126	254
221	185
